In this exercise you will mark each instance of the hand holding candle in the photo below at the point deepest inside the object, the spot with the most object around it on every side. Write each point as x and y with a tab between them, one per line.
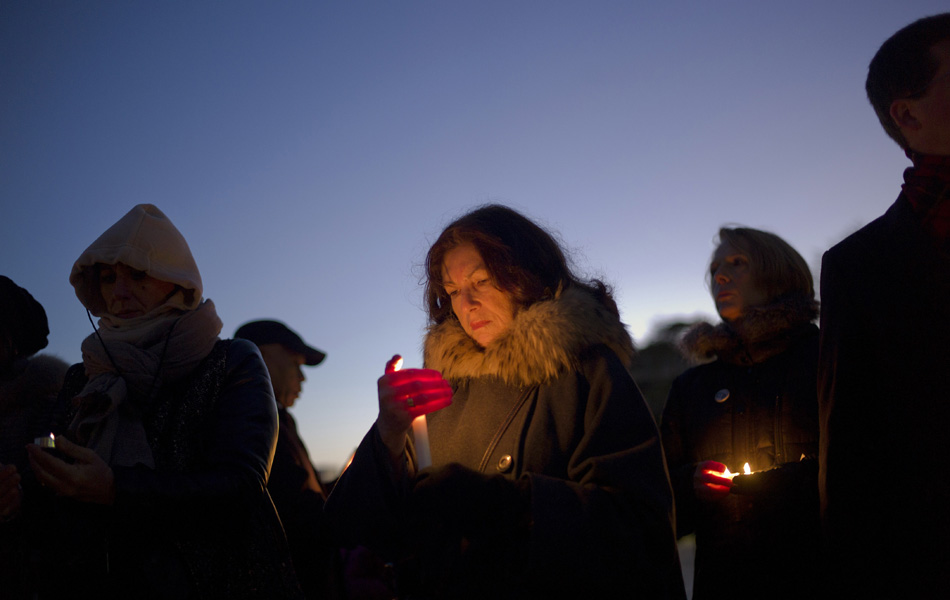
419	391
712	480
749	482
80	473
405	394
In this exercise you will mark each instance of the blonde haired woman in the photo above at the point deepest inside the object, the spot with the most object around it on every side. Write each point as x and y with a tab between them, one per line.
756	403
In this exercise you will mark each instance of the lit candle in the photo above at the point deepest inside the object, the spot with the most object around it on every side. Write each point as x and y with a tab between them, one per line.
420	431
420	434
746	470
47	441
745	484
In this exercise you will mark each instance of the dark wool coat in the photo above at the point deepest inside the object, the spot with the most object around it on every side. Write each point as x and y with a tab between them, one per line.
27	396
201	524
551	405
26	403
756	403
298	494
884	387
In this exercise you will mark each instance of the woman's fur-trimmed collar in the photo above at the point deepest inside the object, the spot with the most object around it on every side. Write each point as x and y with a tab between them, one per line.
544	340
765	332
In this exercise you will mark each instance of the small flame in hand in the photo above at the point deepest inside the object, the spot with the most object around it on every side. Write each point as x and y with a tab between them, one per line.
746	470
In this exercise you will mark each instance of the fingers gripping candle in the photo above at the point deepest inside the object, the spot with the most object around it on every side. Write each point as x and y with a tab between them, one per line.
420	433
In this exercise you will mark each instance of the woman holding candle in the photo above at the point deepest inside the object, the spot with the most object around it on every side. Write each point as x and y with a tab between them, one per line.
547	476
167	436
756	403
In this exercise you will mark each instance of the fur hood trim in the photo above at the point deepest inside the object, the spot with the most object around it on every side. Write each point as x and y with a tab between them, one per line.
41	378
765	332
544	340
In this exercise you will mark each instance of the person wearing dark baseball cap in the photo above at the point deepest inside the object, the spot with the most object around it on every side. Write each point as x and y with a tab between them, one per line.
294	483
274	332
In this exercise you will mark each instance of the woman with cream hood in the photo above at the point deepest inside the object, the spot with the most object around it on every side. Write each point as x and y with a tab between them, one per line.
167	434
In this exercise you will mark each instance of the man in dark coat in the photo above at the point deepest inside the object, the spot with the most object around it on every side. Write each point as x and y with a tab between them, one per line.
294	483
884	366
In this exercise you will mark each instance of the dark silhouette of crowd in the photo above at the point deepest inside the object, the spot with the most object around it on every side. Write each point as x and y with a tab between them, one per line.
521	459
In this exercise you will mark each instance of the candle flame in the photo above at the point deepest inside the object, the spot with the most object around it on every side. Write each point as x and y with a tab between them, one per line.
746	470
398	364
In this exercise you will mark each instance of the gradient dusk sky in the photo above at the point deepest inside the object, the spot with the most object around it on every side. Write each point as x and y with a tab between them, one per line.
310	151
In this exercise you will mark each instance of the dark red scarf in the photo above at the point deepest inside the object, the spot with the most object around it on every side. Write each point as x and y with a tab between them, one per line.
927	188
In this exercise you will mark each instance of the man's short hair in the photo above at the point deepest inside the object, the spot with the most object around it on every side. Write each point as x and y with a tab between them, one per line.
904	67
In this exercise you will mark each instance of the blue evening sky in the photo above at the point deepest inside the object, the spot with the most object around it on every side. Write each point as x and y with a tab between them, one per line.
310	151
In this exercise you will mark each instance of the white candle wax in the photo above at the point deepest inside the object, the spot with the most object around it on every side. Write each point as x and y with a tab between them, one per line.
420	434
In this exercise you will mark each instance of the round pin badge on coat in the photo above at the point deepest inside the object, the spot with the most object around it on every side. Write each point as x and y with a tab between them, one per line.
722	395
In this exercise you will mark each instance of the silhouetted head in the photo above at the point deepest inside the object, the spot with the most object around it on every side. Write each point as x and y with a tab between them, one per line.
284	353
23	325
906	68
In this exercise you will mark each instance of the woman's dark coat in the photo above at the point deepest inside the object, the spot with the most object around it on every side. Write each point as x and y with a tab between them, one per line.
758	405
552	407
201	524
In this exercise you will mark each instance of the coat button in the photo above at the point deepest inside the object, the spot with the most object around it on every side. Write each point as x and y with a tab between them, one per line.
504	463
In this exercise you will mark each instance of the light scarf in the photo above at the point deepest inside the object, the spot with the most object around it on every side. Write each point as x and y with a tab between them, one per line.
139	358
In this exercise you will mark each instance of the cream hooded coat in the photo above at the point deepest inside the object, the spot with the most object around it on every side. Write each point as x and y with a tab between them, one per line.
145	240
